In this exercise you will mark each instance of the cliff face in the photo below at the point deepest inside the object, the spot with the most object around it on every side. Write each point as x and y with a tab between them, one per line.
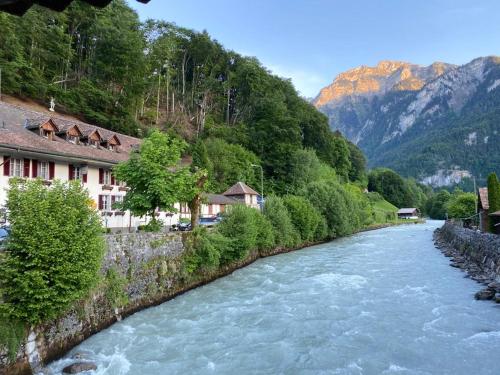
421	121
369	81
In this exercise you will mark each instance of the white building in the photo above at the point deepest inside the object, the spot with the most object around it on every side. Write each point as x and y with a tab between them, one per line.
49	146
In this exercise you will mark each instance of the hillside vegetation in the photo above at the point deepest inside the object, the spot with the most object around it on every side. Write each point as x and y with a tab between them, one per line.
112	70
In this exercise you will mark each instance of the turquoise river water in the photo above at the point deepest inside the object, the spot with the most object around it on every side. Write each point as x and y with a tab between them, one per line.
380	302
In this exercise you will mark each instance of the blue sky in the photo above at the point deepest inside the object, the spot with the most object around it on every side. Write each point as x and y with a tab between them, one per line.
311	41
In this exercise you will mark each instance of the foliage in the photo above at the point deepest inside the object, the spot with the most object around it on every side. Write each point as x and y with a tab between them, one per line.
391	186
109	68
204	250
12	334
285	234
304	216
436	206
493	198
243	227
461	205
115	291
337	206
155	177
54	252
230	163
382	211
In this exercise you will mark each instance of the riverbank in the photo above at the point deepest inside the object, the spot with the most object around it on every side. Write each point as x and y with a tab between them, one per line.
149	269
476	253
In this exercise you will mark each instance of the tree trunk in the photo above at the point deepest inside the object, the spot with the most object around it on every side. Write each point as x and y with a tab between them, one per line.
195	204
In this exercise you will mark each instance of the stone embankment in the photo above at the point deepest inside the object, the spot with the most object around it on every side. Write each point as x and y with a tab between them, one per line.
149	268
476	253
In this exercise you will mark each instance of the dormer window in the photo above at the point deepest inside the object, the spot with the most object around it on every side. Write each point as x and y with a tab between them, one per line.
45	128
93	138
47	134
111	143
73	139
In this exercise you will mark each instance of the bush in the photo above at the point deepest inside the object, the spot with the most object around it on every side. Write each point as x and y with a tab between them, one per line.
304	216
246	230
204	250
54	253
285	234
336	205
461	205
115	288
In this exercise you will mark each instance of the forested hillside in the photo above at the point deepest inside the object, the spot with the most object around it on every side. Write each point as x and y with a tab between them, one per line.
110	69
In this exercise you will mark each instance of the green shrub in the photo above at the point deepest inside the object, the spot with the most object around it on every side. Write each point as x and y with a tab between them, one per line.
461	205
54	253
204	250
285	234
304	216
12	334
336	205
245	229
115	288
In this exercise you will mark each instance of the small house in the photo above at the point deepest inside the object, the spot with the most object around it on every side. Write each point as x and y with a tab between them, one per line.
408	213
216	204
243	193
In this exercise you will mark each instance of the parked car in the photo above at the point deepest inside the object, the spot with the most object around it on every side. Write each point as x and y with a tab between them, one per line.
209	221
184	227
4	235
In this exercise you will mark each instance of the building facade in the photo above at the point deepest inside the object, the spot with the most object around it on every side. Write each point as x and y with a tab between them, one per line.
38	145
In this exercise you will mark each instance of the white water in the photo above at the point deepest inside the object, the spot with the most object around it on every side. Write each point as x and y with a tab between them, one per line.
382	302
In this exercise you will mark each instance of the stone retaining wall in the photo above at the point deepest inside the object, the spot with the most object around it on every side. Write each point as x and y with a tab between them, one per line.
149	265
475	252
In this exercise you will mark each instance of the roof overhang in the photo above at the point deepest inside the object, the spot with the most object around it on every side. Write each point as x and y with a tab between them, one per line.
19	7
66	158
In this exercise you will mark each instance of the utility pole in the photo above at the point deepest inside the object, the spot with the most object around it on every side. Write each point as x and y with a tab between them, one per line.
261	185
158	98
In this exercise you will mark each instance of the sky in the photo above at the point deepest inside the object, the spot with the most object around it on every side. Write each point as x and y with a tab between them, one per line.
311	41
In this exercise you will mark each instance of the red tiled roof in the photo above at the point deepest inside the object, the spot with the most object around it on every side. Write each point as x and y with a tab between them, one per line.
483	197
14	134
240	188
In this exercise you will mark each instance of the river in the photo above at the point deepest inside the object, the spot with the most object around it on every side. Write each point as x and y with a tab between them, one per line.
379	302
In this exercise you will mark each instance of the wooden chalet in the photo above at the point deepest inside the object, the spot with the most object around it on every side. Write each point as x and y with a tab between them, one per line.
408	213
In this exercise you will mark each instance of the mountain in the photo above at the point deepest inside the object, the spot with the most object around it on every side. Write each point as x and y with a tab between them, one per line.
438	123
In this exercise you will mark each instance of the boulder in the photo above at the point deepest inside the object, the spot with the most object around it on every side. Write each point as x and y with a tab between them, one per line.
76	368
485	294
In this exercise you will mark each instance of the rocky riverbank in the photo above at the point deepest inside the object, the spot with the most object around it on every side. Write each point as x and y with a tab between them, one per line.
476	253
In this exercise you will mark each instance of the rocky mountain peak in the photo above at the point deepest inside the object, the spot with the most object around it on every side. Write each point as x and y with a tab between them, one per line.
385	76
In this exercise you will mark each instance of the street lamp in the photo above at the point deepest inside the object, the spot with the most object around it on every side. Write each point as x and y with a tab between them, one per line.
261	184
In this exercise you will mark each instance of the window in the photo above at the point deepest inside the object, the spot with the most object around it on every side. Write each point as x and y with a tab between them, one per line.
73	139
106	202
107	177
43	170
77	173
47	134
16	168
93	143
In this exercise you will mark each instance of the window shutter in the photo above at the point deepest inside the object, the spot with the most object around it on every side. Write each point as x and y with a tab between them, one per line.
26	168
101	176
113	200
112	179
6	165
34	168
101	204
84	176
71	172
52	170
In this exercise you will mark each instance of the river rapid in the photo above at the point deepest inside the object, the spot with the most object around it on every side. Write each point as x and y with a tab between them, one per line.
379	302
